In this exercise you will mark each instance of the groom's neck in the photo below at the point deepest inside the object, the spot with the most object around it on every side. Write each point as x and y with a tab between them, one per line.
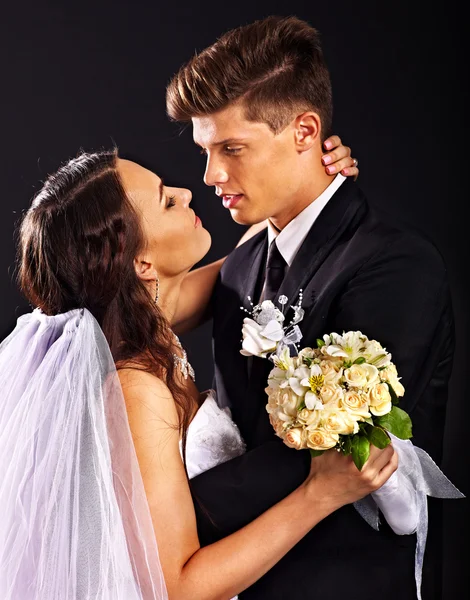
311	187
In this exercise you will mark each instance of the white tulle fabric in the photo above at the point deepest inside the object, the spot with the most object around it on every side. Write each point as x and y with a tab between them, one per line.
75	522
403	498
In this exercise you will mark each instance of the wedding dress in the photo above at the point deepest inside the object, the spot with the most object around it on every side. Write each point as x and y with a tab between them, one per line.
212	438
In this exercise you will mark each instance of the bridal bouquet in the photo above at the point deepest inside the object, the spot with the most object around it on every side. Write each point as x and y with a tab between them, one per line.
342	394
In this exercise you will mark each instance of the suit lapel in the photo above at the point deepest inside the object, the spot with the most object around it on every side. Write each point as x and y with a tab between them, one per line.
249	284
337	216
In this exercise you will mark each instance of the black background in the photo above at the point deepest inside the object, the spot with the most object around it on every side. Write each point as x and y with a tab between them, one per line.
78	75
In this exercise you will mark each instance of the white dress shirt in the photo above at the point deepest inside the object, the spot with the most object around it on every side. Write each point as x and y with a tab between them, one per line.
294	233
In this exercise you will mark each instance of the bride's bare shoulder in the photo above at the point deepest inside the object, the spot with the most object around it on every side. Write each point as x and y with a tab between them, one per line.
147	396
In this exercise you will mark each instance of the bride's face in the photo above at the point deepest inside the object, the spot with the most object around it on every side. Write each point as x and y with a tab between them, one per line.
175	237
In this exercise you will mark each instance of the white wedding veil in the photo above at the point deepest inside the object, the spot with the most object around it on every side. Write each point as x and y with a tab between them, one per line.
74	518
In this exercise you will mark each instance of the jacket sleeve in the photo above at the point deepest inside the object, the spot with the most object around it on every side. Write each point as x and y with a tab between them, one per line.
234	493
400	297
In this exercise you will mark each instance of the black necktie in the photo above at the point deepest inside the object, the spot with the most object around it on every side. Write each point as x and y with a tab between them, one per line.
275	270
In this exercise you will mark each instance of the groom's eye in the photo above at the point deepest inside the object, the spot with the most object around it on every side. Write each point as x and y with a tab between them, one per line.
231	150
171	201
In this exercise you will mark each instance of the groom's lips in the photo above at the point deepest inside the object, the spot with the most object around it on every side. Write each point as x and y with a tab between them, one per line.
230	200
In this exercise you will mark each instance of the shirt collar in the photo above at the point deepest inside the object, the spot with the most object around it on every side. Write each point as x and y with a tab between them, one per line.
294	233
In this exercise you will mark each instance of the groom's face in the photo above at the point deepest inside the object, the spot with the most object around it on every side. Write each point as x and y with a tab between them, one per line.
255	172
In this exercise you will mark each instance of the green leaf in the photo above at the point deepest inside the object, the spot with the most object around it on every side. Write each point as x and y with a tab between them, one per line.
363	427
360	450
395	399
398	422
314	453
369	421
320	343
307	360
378	437
359	361
301	406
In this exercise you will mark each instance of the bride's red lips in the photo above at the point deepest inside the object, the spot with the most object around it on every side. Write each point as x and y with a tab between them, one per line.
197	221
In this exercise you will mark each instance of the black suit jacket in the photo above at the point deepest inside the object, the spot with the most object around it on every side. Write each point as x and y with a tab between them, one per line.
357	272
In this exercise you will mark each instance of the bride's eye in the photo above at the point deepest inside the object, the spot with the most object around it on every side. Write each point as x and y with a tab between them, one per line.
171	201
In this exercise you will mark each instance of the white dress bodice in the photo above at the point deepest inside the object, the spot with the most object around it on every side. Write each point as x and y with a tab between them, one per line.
212	438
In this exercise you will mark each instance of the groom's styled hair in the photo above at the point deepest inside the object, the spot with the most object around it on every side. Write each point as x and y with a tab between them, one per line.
274	66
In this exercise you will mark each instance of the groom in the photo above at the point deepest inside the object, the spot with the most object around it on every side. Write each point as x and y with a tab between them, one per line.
260	103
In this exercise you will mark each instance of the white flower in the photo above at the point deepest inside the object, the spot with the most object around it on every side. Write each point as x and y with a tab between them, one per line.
376	354
255	343
266	311
307	382
349	346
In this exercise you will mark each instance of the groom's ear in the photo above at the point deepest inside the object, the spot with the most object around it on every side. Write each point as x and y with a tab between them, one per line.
307	128
144	269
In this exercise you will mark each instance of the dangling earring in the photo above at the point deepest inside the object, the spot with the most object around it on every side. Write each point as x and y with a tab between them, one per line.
157	291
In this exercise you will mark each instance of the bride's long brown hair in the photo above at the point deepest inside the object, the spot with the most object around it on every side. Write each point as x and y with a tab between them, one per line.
77	244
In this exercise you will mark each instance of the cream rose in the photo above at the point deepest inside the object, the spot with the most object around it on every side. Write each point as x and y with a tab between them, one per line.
308	417
380	400
372	375
356	376
339	421
330	394
308	353
295	438
288	401
319	439
390	375
278	425
332	371
356	404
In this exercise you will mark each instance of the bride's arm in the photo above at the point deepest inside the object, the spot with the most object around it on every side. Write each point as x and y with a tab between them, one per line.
227	567
194	307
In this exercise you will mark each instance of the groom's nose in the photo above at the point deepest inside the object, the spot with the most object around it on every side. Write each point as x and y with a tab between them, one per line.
215	172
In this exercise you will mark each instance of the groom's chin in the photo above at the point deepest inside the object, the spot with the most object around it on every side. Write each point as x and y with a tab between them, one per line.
242	217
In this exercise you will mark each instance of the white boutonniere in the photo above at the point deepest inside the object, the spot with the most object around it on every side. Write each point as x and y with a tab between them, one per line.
264	332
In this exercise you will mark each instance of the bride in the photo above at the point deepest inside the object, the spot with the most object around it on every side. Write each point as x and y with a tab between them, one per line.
100	419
